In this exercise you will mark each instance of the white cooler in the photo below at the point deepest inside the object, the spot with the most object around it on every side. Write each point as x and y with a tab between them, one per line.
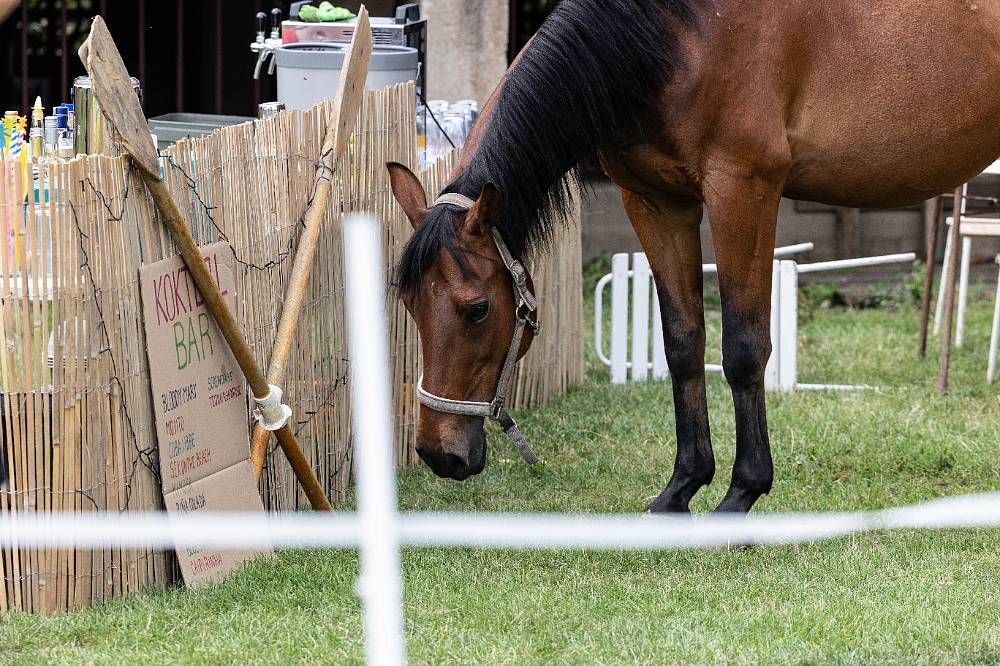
308	72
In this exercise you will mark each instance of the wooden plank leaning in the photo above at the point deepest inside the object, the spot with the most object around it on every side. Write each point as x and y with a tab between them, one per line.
350	91
121	108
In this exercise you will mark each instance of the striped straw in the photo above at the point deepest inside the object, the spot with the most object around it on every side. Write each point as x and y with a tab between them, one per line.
16	142
22	125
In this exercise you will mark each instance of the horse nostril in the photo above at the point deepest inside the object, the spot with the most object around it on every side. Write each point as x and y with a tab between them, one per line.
456	462
444	463
456	467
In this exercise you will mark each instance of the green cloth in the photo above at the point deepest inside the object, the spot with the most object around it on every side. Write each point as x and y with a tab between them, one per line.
325	13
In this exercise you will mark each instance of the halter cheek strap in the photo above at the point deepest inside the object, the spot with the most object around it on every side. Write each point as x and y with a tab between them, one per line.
525	303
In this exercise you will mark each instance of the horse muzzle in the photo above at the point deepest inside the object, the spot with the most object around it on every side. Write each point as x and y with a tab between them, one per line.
456	460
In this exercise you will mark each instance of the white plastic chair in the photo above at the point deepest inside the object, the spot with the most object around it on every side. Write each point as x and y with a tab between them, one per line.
972	227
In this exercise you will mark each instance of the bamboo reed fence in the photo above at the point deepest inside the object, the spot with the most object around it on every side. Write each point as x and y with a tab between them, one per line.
76	411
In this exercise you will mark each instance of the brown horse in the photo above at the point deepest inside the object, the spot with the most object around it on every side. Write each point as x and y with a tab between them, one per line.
722	105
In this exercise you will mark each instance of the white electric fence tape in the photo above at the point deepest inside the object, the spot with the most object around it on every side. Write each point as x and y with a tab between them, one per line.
271	413
487	530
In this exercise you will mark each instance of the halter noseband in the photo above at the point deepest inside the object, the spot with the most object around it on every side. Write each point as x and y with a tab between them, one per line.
525	303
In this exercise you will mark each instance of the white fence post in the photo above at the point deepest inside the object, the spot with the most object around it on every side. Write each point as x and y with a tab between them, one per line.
965	262
380	582
991	367
619	319
660	368
788	325
599	318
640	317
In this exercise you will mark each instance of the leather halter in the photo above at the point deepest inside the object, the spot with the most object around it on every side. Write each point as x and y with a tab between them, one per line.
525	304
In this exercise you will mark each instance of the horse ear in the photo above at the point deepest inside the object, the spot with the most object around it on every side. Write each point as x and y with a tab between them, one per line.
408	191
485	213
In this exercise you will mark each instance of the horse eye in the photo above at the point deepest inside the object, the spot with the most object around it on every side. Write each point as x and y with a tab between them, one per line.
478	312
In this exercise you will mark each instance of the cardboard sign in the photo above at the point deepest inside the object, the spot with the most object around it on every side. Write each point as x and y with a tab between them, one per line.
232	489
200	404
199	392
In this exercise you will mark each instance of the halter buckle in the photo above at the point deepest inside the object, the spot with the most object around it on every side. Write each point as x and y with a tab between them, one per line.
535	326
517	270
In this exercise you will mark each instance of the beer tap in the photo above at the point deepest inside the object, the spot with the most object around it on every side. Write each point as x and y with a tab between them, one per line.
275	23
261	17
275	37
265	46
259	44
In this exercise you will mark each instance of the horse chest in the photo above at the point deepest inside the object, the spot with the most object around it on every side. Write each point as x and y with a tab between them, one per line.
651	172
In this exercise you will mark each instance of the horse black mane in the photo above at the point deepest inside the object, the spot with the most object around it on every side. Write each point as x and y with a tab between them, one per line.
585	83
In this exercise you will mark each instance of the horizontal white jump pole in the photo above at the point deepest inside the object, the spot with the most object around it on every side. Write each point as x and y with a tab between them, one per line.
709	367
786	251
862	262
833	387
789	250
485	530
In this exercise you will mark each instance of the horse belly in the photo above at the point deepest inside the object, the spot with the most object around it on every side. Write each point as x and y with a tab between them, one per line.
892	109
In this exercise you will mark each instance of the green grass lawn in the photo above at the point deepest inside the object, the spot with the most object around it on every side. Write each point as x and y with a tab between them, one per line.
877	598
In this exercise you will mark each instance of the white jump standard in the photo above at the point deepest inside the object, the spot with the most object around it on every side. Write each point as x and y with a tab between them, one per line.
645	361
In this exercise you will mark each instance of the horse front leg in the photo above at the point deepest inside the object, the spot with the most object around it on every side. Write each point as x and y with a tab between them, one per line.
668	231
743	212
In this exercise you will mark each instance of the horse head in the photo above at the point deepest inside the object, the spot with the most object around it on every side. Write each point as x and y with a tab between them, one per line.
473	305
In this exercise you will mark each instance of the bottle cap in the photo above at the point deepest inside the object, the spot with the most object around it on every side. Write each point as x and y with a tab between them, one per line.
51	129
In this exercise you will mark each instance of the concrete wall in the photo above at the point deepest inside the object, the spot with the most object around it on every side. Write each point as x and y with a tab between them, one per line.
467	47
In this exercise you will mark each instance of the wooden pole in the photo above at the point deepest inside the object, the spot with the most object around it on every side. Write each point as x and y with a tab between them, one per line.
848	232
350	92
121	107
949	294
932	223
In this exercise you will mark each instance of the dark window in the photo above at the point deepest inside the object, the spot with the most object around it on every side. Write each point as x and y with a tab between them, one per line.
204	67
526	16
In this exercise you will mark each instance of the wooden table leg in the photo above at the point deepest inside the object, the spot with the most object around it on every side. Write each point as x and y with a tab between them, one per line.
949	295
933	209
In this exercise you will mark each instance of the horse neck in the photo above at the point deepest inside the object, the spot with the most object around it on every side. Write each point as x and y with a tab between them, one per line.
471	185
562	100
476	133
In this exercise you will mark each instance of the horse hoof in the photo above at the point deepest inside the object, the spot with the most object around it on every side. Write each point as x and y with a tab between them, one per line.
662	506
649	513
658	511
